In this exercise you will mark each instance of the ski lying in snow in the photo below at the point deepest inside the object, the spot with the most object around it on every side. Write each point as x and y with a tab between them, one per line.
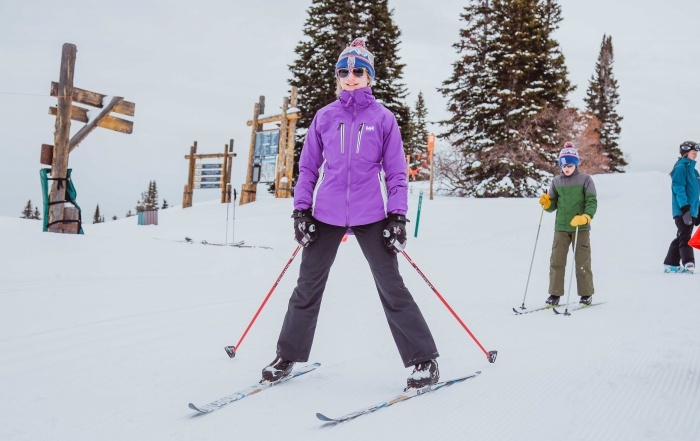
221	402
235	244
406	395
240	244
577	308
521	312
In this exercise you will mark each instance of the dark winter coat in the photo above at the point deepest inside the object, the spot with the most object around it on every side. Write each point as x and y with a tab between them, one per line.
352	169
572	196
685	187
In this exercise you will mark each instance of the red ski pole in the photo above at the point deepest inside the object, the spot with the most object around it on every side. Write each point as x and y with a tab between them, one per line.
491	355
231	350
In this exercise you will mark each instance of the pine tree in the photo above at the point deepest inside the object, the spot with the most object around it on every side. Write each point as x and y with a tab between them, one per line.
417	143
149	198
114	217
37	214
129	214
602	100
165	204
506	95
97	218
28	212
330	27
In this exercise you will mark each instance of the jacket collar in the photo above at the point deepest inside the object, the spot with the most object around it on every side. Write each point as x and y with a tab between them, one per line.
358	98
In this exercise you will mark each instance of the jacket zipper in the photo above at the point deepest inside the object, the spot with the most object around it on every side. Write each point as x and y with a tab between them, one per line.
347	191
341	127
359	137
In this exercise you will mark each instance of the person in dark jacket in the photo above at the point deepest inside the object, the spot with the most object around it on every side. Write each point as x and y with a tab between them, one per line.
353	176
573	195
685	202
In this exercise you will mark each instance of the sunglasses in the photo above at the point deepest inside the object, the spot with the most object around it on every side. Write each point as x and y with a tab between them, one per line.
568	166
358	72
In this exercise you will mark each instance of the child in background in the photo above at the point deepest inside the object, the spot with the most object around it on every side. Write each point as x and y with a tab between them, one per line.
573	196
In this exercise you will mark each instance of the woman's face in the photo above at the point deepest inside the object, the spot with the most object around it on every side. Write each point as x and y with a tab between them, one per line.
349	79
693	154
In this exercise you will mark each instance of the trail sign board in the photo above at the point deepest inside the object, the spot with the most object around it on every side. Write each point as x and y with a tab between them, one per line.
207	172
267	143
208	165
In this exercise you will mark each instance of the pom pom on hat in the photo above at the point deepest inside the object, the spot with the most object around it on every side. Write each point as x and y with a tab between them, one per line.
356	55
569	155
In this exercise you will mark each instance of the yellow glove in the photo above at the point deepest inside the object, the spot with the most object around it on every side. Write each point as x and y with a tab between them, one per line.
578	221
544	201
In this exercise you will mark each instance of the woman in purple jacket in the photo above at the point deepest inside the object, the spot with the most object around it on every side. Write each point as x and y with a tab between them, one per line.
352	175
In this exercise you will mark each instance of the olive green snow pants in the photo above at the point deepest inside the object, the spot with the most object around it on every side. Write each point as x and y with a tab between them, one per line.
557	263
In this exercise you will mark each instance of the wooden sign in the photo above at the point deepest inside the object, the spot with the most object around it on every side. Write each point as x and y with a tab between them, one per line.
95	100
78	113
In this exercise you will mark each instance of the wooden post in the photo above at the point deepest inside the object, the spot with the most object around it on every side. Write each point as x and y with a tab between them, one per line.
282	150
89	127
290	141
224	174
59	166
189	187
431	148
248	190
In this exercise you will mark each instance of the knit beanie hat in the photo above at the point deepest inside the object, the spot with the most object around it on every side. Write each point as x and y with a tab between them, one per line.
356	55
569	155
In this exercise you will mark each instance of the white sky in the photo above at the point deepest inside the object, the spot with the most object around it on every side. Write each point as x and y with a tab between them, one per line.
196	70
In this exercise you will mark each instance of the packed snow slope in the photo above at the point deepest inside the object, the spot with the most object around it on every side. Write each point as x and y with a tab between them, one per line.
109	335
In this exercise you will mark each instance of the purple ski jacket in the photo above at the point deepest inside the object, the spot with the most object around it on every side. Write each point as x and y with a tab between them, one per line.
352	169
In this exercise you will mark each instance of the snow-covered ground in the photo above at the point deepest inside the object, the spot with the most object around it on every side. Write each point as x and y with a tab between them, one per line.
109	335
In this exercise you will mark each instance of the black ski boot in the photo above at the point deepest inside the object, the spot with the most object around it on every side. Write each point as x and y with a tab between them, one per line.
279	368
586	300
553	300
424	374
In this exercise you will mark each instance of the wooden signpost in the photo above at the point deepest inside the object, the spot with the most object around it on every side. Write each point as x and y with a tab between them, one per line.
208	175
57	155
284	153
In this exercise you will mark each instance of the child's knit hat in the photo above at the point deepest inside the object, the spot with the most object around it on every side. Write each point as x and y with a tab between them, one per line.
569	155
356	55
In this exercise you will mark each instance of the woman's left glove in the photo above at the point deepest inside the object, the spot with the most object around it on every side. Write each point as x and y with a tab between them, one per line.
304	227
395	233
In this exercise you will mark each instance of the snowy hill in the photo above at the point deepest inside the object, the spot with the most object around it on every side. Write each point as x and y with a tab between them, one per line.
109	335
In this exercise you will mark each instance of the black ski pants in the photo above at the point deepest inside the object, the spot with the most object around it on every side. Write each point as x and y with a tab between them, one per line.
408	327
679	251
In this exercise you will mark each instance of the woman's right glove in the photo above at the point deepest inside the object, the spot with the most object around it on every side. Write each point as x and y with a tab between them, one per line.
687	218
545	201
395	233
304	227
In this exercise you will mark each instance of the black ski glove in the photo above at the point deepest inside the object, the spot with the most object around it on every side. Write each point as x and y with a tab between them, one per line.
395	233
687	218
304	227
